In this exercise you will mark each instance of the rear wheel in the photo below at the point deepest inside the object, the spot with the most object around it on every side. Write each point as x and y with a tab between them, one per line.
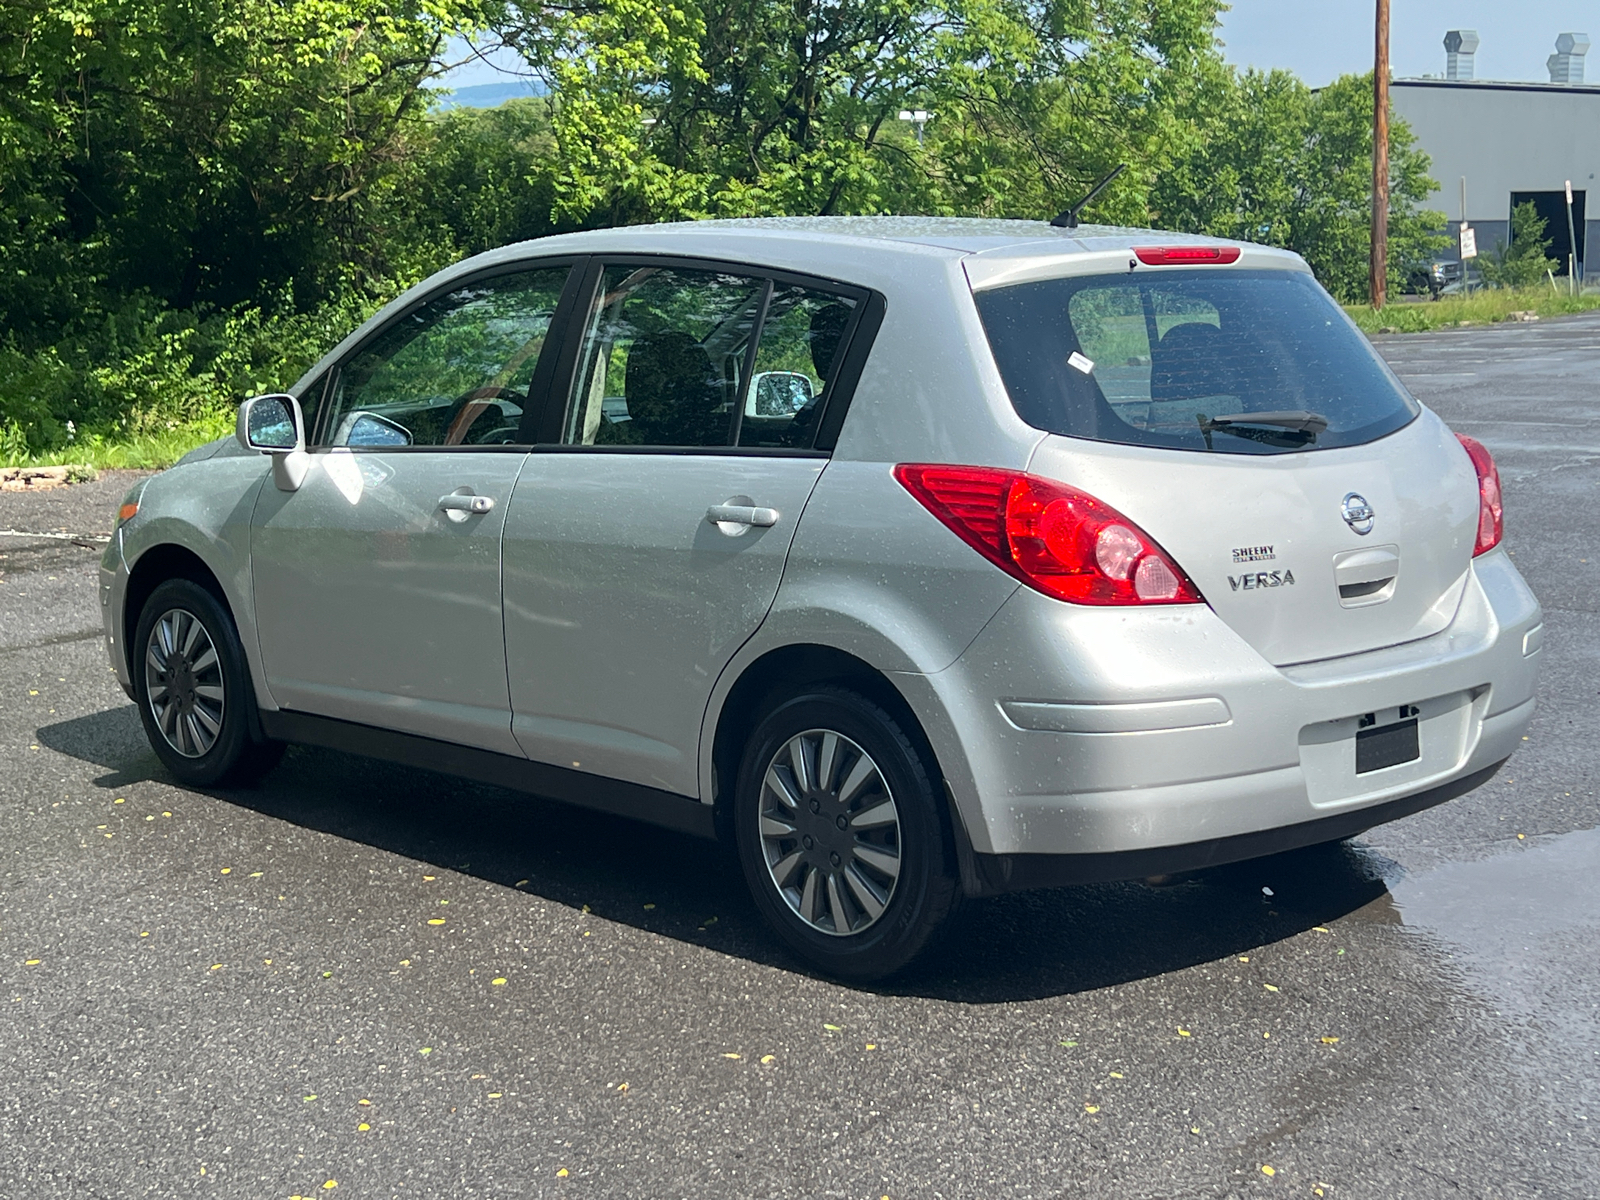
841	834
193	689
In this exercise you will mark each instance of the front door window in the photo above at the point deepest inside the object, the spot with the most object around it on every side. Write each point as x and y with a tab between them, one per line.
454	372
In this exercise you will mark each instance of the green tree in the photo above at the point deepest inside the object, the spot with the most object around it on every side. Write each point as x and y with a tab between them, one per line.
751	107
1273	161
203	151
1524	262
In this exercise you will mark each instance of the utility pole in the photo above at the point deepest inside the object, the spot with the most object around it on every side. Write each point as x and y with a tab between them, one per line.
1378	283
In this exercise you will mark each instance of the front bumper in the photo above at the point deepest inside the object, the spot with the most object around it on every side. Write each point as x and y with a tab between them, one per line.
1117	732
113	600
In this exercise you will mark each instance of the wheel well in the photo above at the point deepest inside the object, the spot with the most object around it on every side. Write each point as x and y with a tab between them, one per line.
783	671
154	567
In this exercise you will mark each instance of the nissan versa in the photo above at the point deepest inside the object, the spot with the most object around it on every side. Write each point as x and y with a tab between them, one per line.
917	558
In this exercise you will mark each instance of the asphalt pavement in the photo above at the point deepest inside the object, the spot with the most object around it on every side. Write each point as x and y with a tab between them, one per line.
390	983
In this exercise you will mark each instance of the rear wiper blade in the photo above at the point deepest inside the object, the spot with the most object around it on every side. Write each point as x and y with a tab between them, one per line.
1295	420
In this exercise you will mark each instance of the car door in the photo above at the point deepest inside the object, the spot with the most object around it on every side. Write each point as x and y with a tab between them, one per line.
377	582
647	546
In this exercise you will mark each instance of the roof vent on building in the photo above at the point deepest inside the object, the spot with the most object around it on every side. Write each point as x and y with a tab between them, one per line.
1459	45
1566	64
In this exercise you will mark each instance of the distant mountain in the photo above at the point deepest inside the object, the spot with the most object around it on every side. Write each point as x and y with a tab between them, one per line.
490	95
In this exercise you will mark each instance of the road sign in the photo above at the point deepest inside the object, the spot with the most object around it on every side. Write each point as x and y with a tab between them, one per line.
1469	242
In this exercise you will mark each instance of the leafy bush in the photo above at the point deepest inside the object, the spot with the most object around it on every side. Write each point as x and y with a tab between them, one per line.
1523	263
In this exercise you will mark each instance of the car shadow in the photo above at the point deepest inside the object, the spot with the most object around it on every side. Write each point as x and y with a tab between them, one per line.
1009	948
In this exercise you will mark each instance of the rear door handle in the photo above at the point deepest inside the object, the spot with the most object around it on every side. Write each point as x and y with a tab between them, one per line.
741	514
466	504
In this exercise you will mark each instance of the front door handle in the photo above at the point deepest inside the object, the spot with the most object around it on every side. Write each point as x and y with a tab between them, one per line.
458	503
742	514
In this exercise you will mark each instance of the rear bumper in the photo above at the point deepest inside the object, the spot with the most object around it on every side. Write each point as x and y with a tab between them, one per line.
1066	731
995	874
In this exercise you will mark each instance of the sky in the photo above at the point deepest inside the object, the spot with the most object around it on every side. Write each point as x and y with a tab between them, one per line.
1320	40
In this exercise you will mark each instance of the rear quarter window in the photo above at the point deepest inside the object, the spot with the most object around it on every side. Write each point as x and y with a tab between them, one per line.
1182	359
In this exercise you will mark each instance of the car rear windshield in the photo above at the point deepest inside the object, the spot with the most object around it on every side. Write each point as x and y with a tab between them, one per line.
1231	361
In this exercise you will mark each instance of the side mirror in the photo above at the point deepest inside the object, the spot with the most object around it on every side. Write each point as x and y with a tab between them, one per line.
778	394
273	425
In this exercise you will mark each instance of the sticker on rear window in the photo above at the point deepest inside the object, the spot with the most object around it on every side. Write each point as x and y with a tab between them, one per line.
1080	362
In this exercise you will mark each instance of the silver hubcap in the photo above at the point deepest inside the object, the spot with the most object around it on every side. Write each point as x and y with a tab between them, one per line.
830	832
184	681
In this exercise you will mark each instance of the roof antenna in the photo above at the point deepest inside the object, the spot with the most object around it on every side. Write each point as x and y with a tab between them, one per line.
1069	219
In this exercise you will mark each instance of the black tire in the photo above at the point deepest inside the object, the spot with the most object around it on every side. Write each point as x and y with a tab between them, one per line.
233	754
924	889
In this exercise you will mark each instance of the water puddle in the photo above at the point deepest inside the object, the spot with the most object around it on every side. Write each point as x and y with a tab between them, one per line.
1524	925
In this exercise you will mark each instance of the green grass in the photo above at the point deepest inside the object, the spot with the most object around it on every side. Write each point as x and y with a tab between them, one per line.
154	449
1480	308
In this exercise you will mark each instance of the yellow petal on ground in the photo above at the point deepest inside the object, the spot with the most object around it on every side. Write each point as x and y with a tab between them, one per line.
1091	1108
1194	1129
146	933
1116	1074
366	1103
363	1127
33	962
835	1028
426	1050
1244	958
310	1098
1266	1170
768	1058
497	982
522	882
872	1046
561	1174
227	870
151	817
1269	987
1320	929
330	1185
622	1087
1330	1041
494	1095
732	1056
435	920
429	878
1266	1035
1183	1033
257	874
216	966
166	814
405	962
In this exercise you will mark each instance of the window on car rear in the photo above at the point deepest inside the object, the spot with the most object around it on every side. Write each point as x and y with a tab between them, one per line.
1182	358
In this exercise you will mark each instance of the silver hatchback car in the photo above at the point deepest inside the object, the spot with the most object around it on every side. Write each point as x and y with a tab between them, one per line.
916	558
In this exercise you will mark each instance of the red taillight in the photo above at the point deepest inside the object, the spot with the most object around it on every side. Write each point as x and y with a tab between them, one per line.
1054	538
127	513
1172	256
1491	513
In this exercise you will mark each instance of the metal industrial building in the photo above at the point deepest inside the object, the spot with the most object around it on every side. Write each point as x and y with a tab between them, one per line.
1511	142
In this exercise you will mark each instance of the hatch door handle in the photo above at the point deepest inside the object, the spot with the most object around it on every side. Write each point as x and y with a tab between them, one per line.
456	502
742	514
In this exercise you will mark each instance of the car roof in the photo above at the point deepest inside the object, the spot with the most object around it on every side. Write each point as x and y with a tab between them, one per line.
955	236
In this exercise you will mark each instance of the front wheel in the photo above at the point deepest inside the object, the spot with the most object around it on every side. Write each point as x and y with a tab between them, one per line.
193	688
841	834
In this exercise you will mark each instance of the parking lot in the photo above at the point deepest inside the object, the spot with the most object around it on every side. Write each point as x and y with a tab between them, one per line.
397	984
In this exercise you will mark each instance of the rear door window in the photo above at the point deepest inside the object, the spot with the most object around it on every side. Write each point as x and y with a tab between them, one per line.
1242	362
